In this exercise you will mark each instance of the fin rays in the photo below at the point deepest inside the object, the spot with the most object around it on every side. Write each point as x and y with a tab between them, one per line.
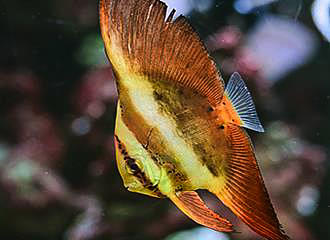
193	206
160	49
244	192
242	102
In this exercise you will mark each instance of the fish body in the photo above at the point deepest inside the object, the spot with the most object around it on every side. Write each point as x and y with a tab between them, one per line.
177	128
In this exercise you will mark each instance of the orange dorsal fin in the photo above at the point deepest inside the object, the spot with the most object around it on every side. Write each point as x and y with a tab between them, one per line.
238	104
244	191
193	206
139	40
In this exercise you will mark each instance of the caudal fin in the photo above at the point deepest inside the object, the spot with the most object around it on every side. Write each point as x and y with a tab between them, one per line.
193	206
244	191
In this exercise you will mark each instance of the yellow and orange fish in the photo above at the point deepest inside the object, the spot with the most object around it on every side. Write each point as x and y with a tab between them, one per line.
177	129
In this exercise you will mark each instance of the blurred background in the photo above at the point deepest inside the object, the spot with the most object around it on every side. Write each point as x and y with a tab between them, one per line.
58	178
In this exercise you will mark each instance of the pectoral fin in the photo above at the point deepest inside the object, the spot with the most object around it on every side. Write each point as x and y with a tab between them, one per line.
245	114
193	206
245	192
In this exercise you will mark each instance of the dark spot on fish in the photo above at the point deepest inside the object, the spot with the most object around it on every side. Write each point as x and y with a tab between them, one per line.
155	159
213	169
120	145
199	148
188	65
179	188
157	96
134	167
179	176
117	138
233	120
152	188
210	109
131	164
221	127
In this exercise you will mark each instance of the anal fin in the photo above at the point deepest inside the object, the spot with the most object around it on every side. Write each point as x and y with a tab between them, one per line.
245	192
241	101
193	206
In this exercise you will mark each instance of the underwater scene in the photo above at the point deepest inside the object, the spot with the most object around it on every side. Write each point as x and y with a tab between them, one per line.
129	120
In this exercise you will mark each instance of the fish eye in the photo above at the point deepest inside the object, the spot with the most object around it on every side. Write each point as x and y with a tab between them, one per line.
133	166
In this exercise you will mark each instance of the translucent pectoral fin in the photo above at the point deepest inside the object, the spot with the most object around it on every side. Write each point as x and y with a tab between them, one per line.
241	100
193	206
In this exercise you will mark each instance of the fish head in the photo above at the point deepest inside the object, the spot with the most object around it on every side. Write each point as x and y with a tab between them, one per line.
138	173
138	170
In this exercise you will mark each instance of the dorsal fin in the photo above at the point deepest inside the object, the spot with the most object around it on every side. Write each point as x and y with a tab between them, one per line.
242	102
194	207
140	41
245	192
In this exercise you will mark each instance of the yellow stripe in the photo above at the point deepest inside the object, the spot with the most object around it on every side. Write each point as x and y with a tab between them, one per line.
141	93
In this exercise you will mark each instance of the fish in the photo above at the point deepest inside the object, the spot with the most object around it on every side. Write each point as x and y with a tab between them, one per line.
178	128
